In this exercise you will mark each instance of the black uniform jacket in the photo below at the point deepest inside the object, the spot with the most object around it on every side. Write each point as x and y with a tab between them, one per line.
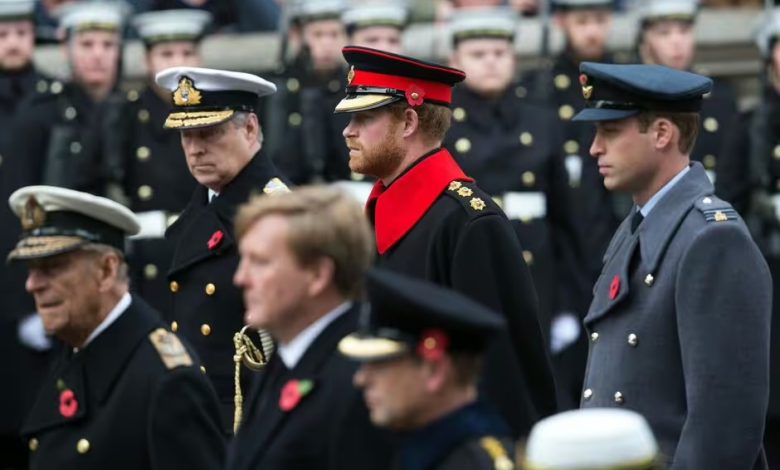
679	329
158	184
22	366
139	401
328	428
433	223
207	309
472	437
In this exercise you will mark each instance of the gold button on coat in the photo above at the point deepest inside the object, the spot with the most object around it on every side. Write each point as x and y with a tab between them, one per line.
143	115
174	286
459	114
150	272
75	147
210	289
205	329
145	192
174	326
594	336
562	81
565	112
711	124
633	340
528	257
463	145
82	446
526	138
293	85
33	444
203	369
587	394
295	119
143	153
571	147
709	161
529	178
70	113
777	152
619	398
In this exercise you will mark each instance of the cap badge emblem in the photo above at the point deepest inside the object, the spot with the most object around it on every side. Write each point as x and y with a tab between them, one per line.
587	91
350	74
186	94
33	215
415	96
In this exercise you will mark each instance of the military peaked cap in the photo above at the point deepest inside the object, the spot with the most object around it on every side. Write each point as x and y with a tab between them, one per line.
615	91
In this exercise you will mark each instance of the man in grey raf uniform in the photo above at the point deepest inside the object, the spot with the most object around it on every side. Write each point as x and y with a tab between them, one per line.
679	323
222	140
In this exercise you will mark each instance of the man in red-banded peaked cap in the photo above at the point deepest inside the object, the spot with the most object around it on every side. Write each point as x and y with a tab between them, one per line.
432	222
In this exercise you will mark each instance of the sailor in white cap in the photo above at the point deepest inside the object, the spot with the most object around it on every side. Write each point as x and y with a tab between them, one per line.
764	192
379	25
215	112
304	137
156	179
61	127
120	365
667	37
593	439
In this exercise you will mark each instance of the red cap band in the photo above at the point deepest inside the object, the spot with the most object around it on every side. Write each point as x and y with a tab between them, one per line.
433	91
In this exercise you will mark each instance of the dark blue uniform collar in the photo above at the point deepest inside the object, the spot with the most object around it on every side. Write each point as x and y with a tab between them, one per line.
424	448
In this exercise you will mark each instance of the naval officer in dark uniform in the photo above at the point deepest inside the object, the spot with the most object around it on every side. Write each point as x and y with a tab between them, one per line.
667	37
682	279
513	150
125	392
431	221
214	110
156	179
421	348
24	354
63	128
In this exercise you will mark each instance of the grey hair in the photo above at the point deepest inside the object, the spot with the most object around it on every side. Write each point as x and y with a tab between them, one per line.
239	120
100	249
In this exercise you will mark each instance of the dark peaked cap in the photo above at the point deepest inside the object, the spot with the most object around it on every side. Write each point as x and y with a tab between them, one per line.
403	312
615	91
378	78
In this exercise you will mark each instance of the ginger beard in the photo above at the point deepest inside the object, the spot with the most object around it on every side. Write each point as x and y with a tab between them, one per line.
381	158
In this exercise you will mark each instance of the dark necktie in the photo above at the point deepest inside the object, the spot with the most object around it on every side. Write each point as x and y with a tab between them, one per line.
636	220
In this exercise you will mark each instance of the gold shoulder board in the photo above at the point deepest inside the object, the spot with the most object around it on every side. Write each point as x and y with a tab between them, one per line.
169	347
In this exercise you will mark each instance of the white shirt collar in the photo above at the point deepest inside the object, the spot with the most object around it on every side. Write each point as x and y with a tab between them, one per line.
292	352
212	194
112	316
653	201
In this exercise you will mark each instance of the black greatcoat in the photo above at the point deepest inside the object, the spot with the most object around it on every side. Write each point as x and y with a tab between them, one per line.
207	309
141	405
432	223
329	427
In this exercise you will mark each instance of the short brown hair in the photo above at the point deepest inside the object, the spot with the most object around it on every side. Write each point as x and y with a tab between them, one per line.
687	123
434	119
324	222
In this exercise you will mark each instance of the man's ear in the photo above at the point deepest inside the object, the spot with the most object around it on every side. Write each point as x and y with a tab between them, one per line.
411	121
108	270
252	127
664	133
323	275
437	374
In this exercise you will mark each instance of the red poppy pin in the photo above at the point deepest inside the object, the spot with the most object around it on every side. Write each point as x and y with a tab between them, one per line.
433	345
293	392
614	288
216	239
68	403
415	96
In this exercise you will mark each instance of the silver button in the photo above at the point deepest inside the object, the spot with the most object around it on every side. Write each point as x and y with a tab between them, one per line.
587	394
633	340
594	337
649	280
619	399
75	147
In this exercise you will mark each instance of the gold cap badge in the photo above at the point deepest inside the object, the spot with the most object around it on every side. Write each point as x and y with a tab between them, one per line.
186	94
33	215
351	74
587	90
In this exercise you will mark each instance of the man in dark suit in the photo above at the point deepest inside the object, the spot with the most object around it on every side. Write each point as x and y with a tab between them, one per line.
156	179
421	348
303	257
431	221
682	278
222	140
125	393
